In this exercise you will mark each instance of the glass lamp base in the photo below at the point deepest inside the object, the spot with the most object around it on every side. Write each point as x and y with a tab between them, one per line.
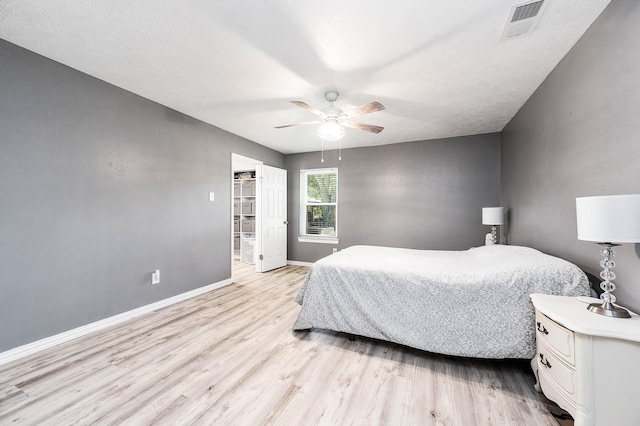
609	309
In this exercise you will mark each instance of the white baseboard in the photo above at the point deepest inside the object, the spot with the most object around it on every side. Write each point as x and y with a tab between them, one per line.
296	263
48	342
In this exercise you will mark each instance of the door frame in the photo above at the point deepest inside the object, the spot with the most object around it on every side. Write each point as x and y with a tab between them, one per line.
239	162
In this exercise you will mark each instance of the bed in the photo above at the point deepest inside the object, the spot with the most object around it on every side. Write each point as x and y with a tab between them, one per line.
472	303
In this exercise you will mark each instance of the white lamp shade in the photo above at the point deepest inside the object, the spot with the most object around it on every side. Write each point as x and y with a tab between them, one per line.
331	131
492	215
609	219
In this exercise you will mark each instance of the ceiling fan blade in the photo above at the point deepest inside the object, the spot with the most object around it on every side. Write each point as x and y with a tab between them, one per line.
308	107
367	109
297	124
366	127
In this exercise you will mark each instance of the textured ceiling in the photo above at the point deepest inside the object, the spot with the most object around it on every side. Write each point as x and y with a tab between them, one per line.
438	66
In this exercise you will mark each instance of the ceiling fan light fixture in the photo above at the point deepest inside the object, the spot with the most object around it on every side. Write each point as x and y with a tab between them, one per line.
331	131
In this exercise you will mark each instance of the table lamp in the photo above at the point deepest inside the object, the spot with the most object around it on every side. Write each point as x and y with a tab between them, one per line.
608	221
493	216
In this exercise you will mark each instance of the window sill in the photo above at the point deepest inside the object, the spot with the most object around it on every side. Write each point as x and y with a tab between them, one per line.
318	240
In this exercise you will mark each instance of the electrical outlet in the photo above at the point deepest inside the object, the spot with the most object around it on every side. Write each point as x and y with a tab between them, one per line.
155	277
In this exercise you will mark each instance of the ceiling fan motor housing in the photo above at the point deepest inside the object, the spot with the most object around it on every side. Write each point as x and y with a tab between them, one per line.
333	112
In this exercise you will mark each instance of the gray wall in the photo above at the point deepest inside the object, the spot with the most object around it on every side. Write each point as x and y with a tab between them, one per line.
98	187
579	135
424	195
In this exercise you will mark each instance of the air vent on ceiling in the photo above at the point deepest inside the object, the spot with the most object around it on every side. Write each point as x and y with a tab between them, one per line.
523	18
527	11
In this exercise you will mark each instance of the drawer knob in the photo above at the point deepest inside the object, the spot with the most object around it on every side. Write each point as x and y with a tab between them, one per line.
544	361
542	329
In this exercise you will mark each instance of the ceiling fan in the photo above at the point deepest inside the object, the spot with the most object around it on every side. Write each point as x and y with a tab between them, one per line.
333	118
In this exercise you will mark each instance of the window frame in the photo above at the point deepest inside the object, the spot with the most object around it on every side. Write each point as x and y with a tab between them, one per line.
313	238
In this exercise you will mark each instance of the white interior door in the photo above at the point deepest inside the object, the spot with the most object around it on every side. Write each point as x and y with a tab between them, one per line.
272	218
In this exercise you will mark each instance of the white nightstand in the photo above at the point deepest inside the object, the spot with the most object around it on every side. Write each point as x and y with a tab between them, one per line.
588	364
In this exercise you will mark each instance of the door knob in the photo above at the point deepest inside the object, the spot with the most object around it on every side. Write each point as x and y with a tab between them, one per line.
286	222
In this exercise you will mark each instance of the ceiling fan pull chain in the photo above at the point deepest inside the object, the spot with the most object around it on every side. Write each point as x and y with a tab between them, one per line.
339	149
322	161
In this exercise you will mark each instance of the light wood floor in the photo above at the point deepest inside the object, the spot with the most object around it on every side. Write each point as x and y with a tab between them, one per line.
230	357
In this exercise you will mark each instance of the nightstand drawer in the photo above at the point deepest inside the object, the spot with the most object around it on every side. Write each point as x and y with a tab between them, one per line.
556	370
556	337
552	388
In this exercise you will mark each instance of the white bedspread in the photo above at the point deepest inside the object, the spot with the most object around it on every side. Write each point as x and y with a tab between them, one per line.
468	303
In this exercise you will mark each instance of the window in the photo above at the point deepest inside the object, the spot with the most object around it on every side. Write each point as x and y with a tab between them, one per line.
319	206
